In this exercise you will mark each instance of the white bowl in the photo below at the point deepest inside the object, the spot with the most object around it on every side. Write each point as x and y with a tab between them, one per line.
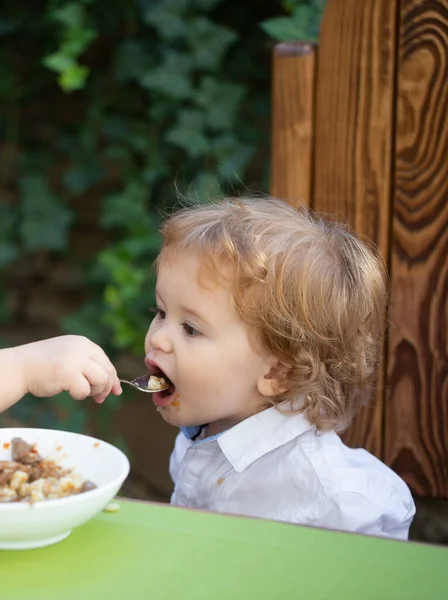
24	526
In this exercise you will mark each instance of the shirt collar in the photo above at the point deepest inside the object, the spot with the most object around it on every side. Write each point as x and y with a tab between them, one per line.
258	435
254	437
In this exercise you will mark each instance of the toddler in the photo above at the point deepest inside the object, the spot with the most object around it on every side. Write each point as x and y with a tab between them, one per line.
268	328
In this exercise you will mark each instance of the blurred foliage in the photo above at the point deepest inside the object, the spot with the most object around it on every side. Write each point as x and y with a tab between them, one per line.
119	104
301	22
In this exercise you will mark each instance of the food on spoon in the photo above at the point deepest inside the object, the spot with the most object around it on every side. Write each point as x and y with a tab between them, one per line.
29	478
157	383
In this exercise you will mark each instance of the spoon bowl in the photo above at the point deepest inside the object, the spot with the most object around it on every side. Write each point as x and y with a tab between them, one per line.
148	383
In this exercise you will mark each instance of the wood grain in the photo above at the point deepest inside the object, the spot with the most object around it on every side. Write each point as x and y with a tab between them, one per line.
353	143
292	121
416	440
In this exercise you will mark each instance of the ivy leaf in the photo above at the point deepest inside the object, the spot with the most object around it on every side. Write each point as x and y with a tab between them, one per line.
172	78
129	281
205	187
70	15
169	21
303	24
221	101
76	40
282	29
80	178
233	160
126	208
44	222
178	7
231	155
209	42
9	252
188	133
73	78
58	62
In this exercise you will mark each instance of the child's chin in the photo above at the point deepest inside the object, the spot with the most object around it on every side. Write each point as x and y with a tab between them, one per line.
171	415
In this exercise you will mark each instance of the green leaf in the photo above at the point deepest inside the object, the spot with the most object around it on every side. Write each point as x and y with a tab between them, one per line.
126	209
169	24
44	222
303	24
73	78
282	29
204	188
81	178
9	253
209	42
76	40
58	62
112	297
172	78
232	163
188	133
221	101
70	15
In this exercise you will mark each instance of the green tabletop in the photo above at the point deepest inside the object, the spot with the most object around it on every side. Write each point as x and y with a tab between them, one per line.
155	552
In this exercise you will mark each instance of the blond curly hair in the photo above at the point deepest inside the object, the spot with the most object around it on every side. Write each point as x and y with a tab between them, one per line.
314	292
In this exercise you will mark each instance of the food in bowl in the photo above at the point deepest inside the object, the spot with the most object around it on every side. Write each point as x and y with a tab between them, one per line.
25	525
28	477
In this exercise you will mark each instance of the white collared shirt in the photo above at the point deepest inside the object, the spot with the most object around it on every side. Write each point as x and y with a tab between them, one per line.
276	466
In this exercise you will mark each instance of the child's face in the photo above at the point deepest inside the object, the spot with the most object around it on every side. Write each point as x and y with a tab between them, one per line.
202	345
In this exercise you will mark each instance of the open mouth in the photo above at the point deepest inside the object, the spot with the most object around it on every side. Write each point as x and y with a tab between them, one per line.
157	372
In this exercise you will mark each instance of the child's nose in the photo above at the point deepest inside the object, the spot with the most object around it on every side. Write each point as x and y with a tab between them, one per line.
160	339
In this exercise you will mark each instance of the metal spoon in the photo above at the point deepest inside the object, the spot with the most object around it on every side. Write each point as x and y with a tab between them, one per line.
141	383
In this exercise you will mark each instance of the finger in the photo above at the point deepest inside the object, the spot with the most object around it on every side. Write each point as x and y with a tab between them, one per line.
99	399
98	377
99	356
117	390
79	387
111	371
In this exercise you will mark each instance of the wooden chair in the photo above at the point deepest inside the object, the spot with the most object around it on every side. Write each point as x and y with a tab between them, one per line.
360	130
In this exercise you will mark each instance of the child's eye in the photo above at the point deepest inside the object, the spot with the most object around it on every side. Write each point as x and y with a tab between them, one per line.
189	330
159	313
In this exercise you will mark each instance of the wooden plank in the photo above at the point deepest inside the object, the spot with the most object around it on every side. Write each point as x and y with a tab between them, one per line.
416	442
353	143
292	121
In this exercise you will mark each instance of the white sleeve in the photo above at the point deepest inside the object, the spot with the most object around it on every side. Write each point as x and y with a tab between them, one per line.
368	497
362	515
181	445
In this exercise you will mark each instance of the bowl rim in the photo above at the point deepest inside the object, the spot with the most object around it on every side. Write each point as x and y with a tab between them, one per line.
76	498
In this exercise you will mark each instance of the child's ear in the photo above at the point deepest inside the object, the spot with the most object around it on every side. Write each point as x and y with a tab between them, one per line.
273	382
